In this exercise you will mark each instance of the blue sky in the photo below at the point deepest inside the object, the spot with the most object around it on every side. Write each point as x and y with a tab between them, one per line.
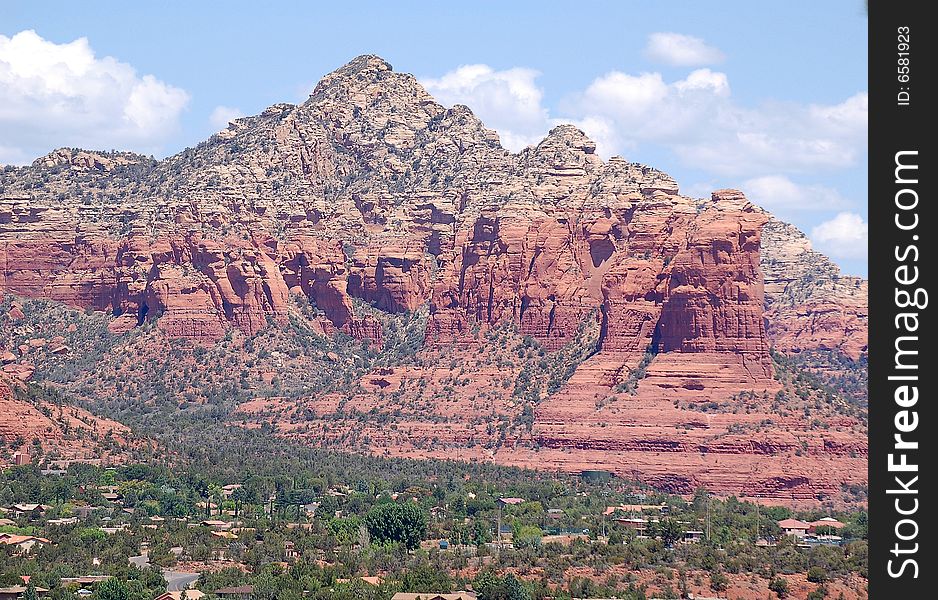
769	97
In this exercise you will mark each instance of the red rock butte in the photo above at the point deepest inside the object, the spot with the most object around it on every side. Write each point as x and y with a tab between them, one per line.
372	190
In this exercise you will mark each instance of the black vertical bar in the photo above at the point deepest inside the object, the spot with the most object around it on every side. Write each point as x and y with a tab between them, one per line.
902	238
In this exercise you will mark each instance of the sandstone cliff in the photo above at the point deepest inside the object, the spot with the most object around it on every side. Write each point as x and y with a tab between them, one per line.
47	430
371	191
809	304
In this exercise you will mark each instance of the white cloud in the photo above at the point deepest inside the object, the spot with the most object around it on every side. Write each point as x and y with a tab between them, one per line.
777	137
705	80
849	115
508	101
696	118
623	96
54	95
222	115
844	236
645	108
600	130
678	50
778	193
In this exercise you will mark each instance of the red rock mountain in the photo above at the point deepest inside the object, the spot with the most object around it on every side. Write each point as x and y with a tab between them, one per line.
372	191
40	428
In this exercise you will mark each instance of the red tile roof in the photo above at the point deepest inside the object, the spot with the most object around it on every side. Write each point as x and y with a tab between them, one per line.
793	524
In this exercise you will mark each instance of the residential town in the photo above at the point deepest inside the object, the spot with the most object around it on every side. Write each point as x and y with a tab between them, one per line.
144	532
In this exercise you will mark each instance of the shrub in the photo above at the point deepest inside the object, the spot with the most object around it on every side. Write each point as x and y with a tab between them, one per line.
817	575
779	585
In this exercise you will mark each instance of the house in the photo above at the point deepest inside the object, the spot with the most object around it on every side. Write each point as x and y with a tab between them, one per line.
24	543
511	501
215	524
189	594
63	521
693	536
6	522
794	527
21	458
636	508
435	596
113	530
830	522
85	582
83	512
229	490
32	511
635	524
17	591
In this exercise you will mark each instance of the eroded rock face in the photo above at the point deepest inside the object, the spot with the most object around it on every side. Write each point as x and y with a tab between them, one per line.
392	279
372	191
809	304
66	431
195	287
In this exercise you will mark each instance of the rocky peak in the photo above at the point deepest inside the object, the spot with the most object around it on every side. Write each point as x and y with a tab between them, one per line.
371	159
790	259
809	303
88	159
369	81
622	179
440	218
567	137
561	163
359	72
729	198
366	66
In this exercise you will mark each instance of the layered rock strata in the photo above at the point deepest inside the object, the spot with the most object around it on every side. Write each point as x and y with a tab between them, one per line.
372	190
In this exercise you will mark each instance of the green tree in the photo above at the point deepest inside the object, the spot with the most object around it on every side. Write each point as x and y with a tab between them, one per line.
819	594
112	589
426	579
719	581
817	575
402	523
779	585
492	587
514	589
670	531
527	536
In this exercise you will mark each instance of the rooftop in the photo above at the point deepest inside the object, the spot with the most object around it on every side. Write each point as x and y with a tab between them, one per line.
793	524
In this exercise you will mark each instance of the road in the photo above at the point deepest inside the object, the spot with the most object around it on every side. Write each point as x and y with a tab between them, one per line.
142	561
177	581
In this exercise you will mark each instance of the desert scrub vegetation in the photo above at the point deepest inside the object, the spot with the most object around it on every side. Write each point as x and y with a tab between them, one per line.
545	372
819	382
630	385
